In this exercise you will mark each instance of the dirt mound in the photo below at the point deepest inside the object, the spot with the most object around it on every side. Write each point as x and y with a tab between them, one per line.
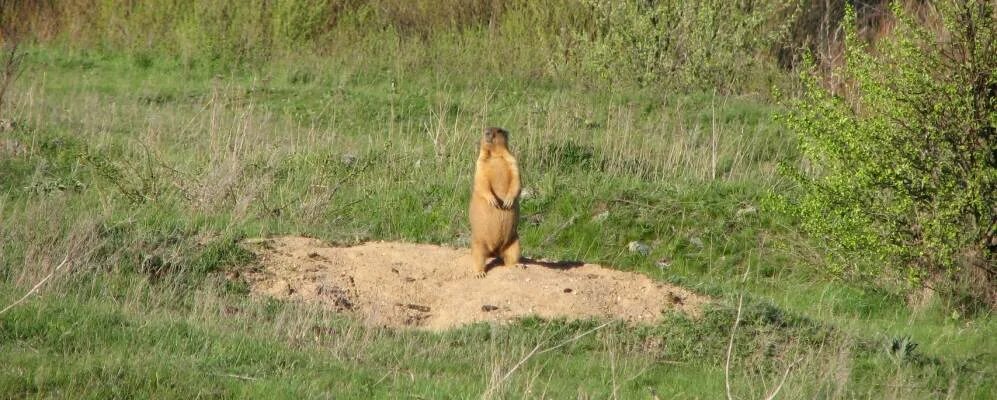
426	286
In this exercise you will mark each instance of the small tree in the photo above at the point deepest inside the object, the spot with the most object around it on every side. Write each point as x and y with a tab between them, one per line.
901	163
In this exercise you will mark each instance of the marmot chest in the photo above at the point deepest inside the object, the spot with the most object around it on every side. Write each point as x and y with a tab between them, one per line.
499	174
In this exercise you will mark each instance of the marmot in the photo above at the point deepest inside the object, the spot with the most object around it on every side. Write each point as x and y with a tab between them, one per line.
494	209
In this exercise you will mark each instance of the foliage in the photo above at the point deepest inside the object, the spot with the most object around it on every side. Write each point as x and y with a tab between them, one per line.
902	172
703	43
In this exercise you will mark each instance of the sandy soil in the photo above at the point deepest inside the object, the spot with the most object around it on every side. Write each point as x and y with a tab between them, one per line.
431	287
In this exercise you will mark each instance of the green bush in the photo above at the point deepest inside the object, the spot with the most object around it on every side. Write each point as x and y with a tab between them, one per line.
900	169
702	43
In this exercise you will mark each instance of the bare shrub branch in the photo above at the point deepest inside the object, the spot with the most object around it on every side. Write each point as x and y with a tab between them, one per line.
37	286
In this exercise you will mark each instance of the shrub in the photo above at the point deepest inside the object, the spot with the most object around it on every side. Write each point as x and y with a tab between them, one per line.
902	170
702	43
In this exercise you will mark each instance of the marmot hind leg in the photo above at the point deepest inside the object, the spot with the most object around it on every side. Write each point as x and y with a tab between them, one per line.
478	258
510	256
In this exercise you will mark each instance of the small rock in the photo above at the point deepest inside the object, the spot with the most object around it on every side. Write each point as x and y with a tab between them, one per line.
349	158
488	307
7	125
746	210
526	194
568	290
638	247
664	263
696	241
601	216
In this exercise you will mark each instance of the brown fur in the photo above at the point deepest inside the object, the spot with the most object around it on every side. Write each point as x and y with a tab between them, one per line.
494	209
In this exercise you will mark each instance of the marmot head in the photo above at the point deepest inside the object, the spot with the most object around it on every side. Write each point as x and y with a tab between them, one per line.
494	138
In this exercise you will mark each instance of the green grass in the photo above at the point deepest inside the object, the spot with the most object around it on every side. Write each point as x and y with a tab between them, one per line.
133	158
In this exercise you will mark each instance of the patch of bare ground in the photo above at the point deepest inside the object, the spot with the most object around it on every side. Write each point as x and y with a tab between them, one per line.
432	287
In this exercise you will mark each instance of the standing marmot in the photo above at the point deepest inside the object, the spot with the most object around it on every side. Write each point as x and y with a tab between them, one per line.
494	209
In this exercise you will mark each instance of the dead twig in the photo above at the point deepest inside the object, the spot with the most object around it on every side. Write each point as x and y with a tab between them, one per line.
730	347
242	377
569	341
641	205
37	286
776	390
557	232
733	330
535	352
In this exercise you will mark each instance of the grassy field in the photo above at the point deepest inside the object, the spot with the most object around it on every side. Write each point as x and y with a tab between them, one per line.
143	171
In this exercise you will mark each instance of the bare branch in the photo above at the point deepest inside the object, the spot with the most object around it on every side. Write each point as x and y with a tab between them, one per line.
37	286
730	346
776	390
536	352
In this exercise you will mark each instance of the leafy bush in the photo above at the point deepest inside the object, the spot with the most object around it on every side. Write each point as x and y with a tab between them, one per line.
703	43
902	170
